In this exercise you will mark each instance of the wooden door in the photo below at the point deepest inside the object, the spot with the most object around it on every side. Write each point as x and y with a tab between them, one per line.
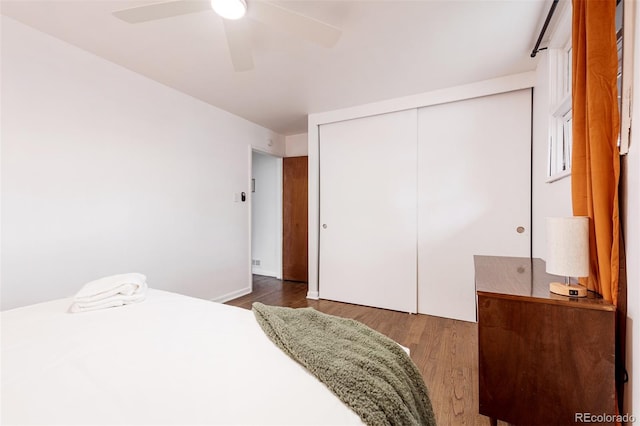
295	219
368	211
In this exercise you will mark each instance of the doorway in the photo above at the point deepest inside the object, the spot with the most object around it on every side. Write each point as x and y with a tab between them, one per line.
266	215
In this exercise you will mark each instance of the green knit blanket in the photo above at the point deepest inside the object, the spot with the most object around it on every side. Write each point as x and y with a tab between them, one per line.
368	371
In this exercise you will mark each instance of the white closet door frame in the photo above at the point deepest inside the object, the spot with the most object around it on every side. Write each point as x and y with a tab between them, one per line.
474	195
504	84
368	183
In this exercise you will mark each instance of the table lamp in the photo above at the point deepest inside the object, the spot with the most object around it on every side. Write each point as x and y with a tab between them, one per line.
568	253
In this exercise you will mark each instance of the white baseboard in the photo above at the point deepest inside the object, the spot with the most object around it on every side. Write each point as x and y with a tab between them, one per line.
263	272
313	295
232	295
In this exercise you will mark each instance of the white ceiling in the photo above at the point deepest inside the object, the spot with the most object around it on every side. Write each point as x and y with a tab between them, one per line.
387	49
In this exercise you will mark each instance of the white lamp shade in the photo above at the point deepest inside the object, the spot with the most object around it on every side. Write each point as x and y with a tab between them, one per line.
229	9
568	246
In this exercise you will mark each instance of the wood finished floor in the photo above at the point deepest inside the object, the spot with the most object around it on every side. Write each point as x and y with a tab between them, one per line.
444	350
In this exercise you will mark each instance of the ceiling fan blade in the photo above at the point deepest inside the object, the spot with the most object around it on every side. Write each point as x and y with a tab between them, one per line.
293	22
167	9
239	42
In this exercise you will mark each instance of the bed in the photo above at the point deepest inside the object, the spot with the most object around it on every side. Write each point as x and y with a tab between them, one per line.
171	359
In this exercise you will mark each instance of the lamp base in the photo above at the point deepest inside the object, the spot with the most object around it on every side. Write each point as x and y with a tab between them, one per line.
571	290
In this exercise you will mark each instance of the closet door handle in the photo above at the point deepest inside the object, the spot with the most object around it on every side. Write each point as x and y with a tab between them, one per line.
324	226
520	229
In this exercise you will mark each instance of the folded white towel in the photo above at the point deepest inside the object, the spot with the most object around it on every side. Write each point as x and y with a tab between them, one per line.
123	284
116	290
109	302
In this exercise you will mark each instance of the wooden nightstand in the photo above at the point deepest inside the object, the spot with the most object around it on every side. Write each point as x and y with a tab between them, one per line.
542	357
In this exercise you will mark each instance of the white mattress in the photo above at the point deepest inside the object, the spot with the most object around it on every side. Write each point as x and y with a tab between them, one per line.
169	360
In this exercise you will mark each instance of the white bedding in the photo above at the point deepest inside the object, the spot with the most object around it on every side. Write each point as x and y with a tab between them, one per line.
169	360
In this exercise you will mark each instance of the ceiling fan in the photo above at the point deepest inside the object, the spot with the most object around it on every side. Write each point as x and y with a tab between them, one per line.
236	29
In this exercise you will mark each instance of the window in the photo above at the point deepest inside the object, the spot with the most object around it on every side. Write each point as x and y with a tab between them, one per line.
560	114
624	28
560	70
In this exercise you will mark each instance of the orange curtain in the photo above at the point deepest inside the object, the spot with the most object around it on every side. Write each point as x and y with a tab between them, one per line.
595	168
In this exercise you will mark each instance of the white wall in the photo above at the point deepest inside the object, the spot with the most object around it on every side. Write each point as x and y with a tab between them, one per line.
631	215
266	215
549	198
105	171
297	145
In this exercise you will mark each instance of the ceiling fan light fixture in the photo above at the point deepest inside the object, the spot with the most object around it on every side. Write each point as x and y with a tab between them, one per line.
229	9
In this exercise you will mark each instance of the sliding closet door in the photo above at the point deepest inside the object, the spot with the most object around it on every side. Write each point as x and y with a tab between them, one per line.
474	192
368	211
